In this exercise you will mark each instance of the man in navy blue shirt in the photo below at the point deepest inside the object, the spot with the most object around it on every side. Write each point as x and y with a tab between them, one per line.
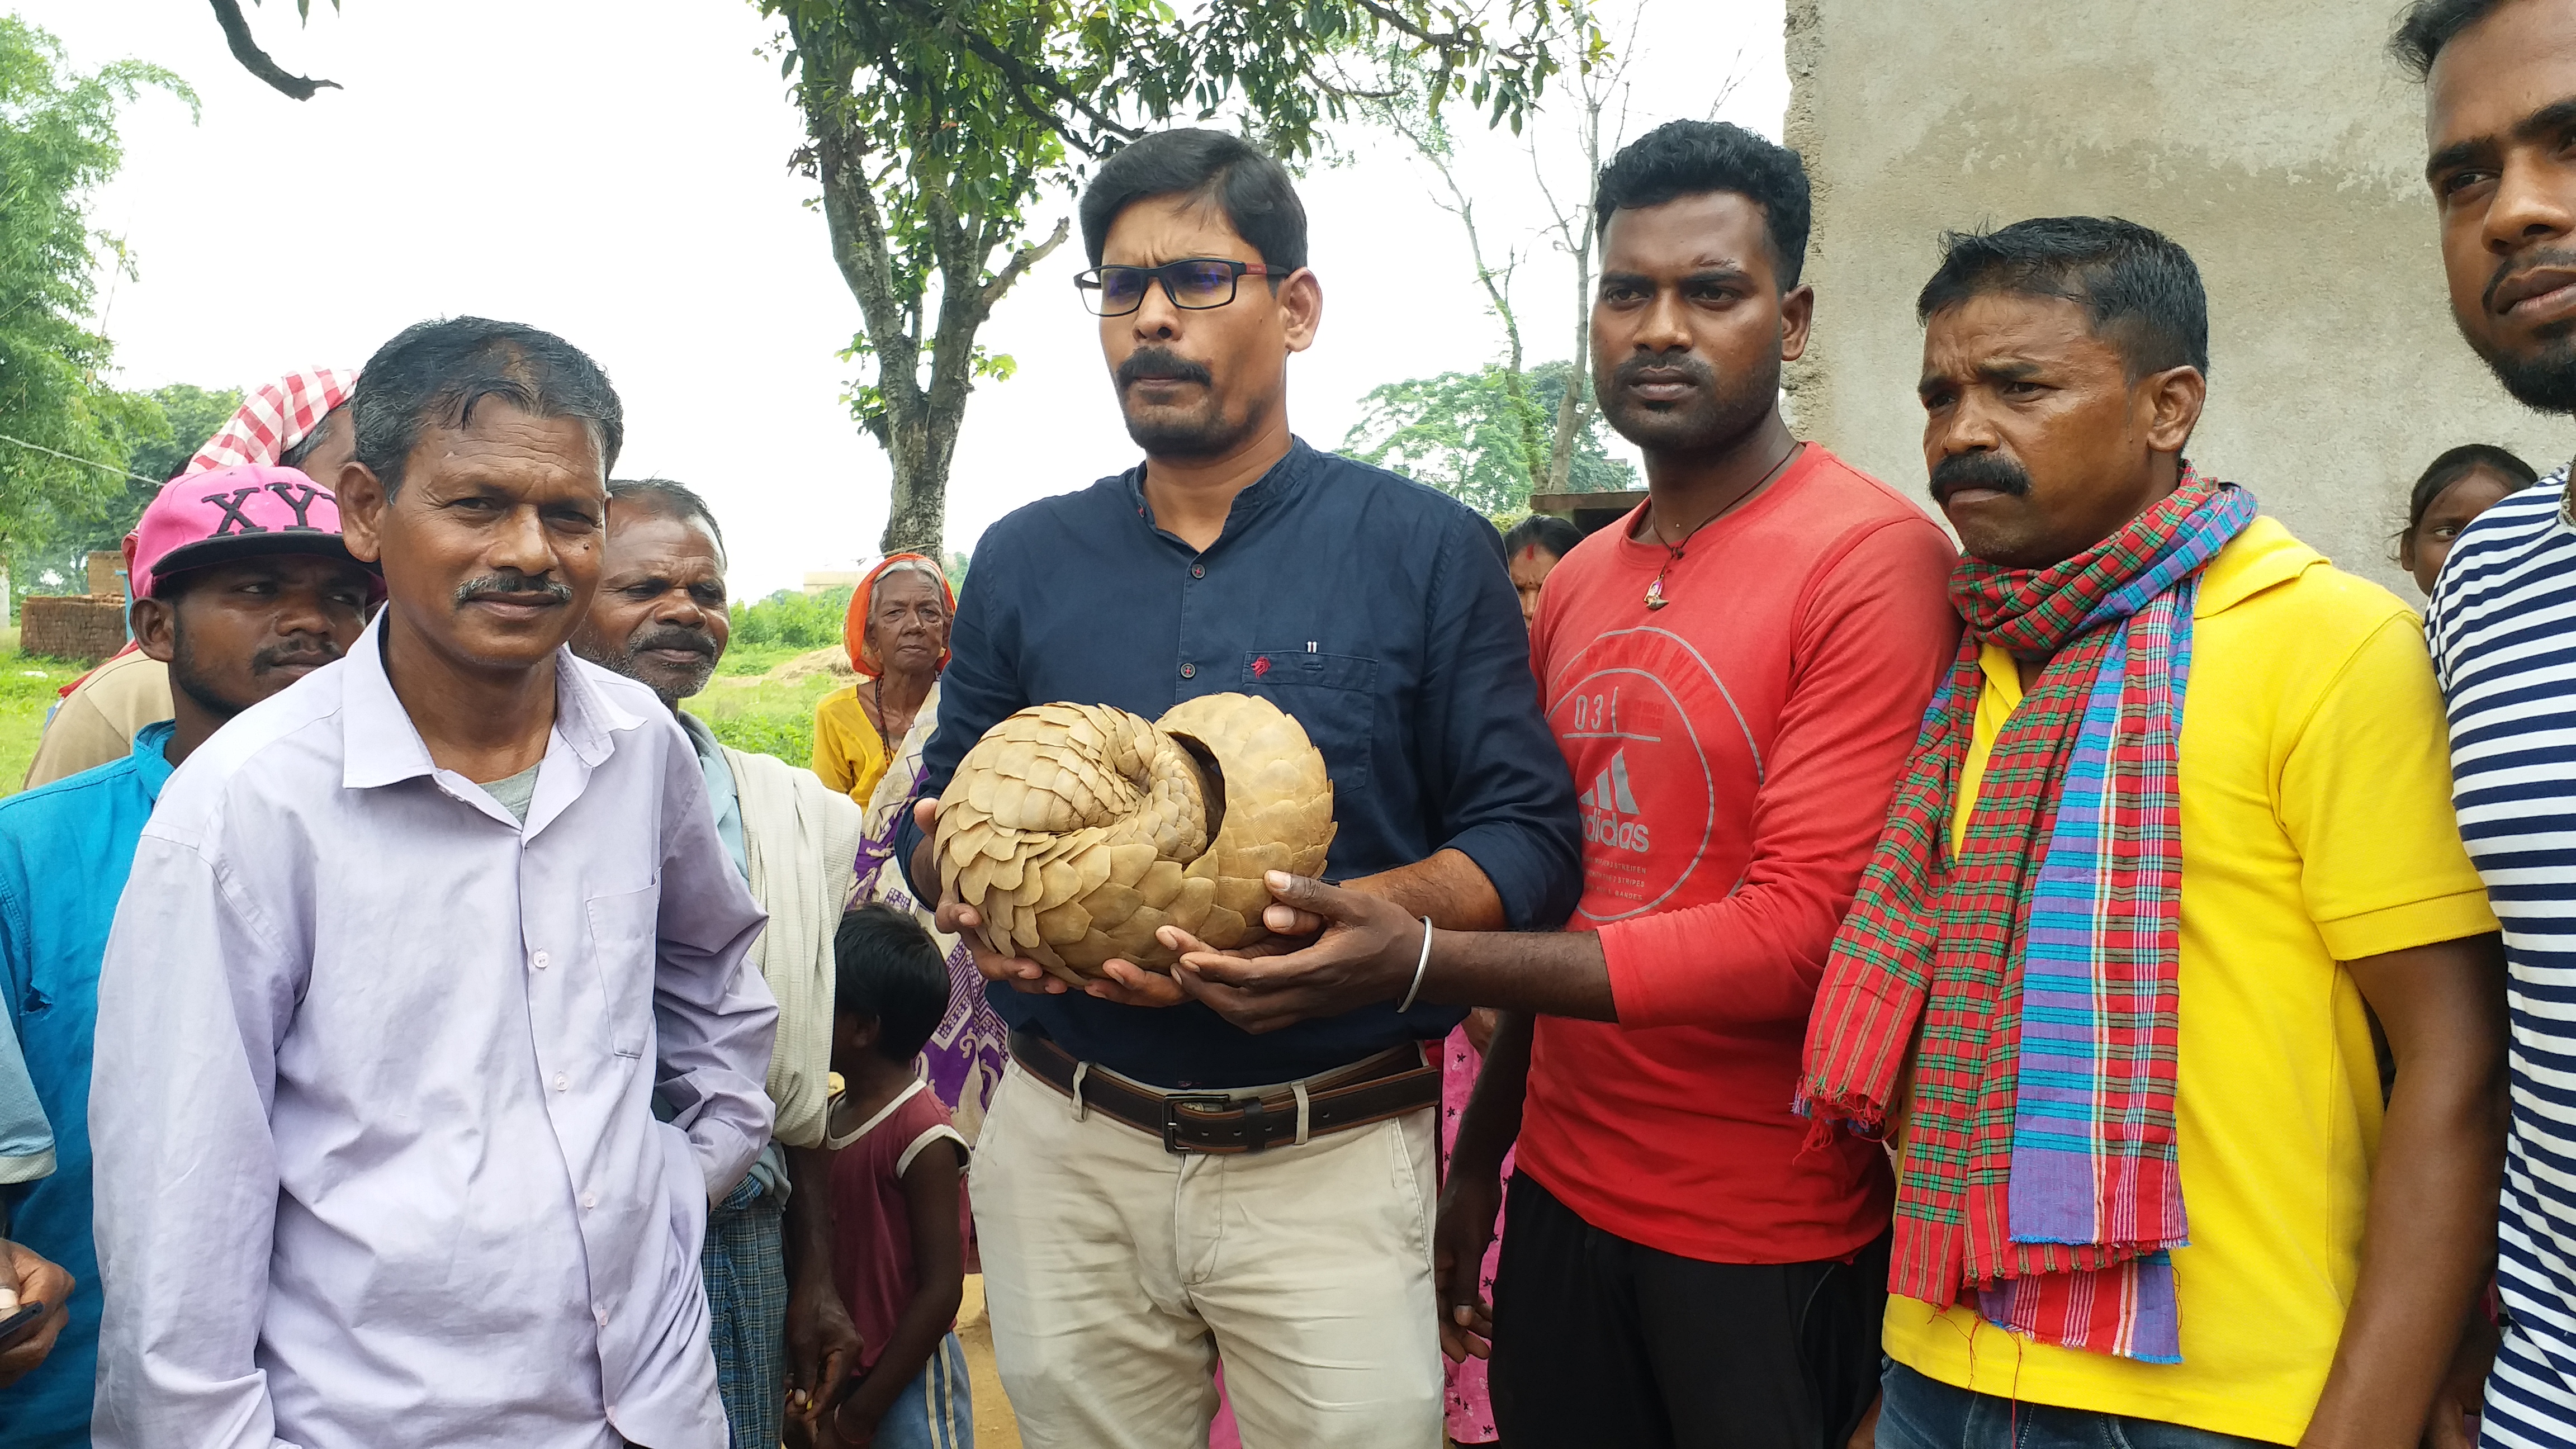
1129	1239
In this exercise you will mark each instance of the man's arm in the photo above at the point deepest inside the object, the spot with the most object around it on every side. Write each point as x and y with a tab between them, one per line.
979	688
2429	1240
714	1018
1874	639
27	1279
193	998
822	1343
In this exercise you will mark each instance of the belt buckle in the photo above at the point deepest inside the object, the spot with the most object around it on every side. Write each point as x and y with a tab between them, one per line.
1174	1101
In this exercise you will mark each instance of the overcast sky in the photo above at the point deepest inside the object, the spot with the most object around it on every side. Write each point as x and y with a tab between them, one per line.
615	171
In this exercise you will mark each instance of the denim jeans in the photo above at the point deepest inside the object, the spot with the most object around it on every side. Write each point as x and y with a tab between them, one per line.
1924	1413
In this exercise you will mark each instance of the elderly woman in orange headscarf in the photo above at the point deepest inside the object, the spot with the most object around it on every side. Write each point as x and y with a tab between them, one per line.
897	635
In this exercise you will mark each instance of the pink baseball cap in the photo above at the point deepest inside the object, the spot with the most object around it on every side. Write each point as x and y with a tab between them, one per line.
225	514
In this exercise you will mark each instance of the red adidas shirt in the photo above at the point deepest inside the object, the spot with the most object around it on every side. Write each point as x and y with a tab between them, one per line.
1735	753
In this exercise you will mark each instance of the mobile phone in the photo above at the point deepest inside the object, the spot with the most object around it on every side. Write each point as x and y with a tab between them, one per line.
21	1324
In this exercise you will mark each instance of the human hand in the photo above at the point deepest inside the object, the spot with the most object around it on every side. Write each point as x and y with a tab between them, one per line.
823	1345
1469	1203
1865	1434
2453	1424
955	918
28	1278
1480	1025
1366	952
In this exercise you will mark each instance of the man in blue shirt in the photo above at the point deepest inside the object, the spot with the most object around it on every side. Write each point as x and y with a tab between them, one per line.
1128	1239
242	587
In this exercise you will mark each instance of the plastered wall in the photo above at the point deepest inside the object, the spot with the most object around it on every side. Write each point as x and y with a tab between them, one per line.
2274	139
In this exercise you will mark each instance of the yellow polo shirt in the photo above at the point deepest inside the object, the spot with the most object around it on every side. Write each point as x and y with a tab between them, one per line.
2316	829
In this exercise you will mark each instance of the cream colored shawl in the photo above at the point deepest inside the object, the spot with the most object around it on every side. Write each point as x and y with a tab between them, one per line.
800	841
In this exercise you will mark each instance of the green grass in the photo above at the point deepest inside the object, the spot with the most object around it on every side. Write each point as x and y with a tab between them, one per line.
765	716
746	709
27	690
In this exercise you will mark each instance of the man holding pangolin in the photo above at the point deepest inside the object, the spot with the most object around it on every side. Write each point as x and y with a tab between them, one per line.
1376	612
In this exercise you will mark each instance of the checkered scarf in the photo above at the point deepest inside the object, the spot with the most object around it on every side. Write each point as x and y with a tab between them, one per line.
2032	975
275	418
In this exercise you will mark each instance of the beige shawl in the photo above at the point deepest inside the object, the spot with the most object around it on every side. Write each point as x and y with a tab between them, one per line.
800	841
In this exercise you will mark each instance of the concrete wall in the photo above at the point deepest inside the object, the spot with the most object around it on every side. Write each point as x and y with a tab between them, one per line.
2273	139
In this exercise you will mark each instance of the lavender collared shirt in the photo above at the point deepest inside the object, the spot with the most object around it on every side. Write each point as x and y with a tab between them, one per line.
376	1158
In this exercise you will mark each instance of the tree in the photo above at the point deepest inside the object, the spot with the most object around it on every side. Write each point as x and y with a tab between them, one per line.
159	432
1463	433
64	434
933	125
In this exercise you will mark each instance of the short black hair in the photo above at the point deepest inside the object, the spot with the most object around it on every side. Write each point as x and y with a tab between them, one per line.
1688	158
302	448
2424	27
436	372
2458	463
677	499
2140	287
887	967
1542	530
1211	168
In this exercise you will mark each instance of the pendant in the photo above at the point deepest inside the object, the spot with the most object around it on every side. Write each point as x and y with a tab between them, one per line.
1655	593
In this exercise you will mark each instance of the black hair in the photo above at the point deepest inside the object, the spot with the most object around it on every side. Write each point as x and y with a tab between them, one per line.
674	498
1689	158
2458	463
1545	531
886	966
303	447
434	373
2140	287
2424	27
1211	168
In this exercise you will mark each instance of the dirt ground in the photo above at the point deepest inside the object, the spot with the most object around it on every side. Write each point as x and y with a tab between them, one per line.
995	1428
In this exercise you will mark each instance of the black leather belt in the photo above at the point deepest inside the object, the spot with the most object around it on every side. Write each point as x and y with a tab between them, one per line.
1387	1085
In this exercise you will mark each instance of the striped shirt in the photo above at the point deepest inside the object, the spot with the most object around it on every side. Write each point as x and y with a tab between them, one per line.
2502	626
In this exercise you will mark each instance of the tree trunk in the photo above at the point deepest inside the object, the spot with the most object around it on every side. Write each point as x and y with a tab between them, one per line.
1574	407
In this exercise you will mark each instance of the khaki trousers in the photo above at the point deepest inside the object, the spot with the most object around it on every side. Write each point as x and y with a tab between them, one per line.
1117	1274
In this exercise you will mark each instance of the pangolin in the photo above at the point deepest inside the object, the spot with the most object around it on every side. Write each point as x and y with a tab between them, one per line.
1076	830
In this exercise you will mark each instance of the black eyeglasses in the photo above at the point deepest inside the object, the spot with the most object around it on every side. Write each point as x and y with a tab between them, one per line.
1194	283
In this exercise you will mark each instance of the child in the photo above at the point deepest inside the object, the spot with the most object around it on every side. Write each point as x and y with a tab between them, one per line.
898	1204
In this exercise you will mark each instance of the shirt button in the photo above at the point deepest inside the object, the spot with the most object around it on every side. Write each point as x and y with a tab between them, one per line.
1189	671
601	1314
590	1199
562	1082
1198	571
540	960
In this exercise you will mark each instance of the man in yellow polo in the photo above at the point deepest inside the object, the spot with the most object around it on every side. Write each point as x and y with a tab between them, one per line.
2180	812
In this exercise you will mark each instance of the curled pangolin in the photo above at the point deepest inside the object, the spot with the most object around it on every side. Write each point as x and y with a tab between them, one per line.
1076	830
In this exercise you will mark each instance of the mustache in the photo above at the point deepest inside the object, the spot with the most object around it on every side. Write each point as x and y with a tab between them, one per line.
674	636
512	581
1978	470
2512	267
317	652
1161	364
1688	365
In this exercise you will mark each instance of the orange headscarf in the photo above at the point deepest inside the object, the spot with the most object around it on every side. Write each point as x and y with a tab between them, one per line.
854	625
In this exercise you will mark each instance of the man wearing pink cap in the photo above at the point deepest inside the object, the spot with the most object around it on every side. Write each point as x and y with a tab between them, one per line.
300	421
242	587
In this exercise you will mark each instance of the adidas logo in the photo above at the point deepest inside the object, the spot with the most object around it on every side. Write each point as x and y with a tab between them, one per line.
1606	802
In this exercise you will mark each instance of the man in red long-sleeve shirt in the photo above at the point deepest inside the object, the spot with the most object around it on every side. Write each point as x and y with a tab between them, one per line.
1735	676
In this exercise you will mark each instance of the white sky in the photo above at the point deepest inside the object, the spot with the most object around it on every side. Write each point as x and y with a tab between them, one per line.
615	171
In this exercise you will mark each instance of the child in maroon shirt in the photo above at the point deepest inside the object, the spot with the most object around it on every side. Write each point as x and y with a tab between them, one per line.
898	1199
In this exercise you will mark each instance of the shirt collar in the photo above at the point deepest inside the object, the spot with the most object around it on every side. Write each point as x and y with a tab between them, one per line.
381	745
152	755
701	738
2264	555
1280	484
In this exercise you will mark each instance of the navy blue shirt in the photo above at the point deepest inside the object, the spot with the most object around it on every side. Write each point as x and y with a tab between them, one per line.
1375	610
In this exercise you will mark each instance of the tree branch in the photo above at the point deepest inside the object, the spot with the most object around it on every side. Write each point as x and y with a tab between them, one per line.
228	14
1020	262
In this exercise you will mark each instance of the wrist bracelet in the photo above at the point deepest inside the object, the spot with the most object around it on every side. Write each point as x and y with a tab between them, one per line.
1419	967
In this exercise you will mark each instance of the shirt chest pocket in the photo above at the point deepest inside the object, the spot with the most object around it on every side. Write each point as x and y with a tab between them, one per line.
623	929
1334	696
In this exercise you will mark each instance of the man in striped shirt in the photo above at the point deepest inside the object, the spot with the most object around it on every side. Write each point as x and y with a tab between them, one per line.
2501	117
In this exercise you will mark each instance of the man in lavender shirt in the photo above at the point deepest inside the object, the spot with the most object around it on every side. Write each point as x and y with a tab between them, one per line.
407	952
